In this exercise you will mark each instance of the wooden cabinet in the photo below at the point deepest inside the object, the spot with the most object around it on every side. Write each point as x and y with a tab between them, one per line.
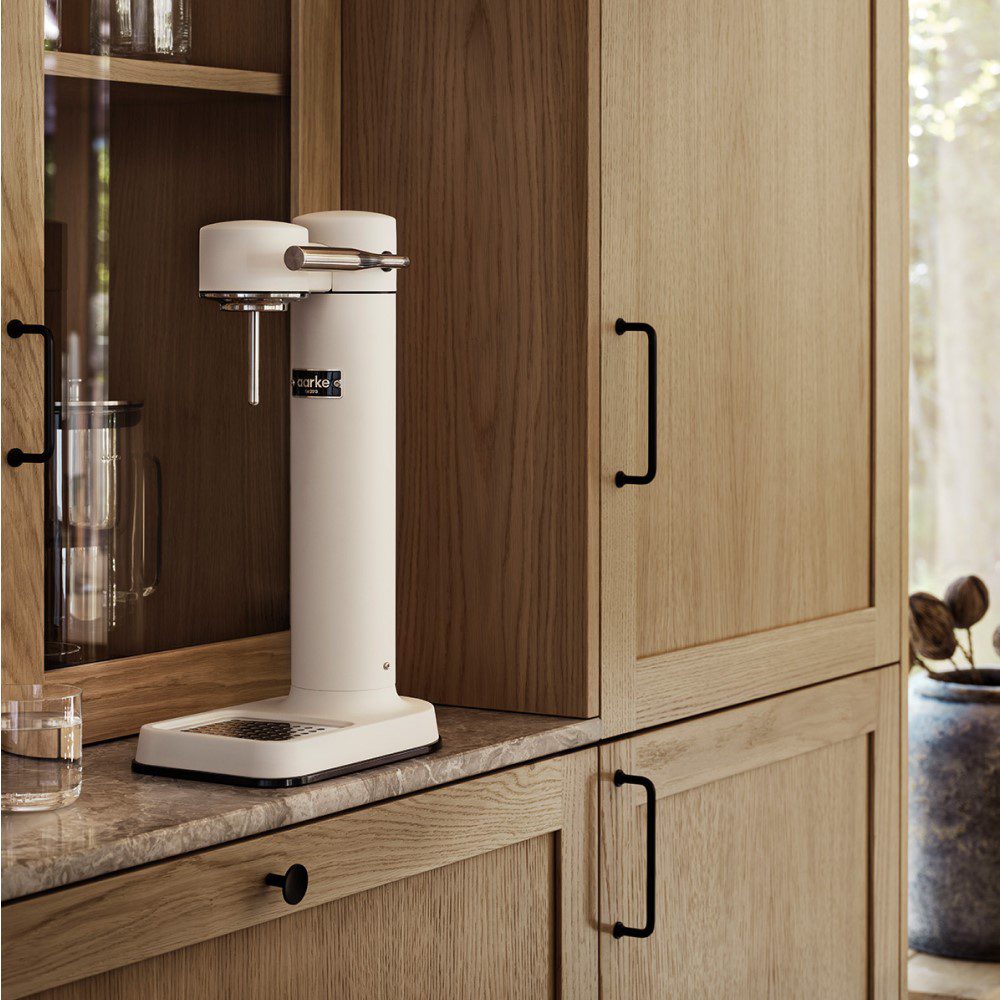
113	164
732	174
752	212
776	850
484	888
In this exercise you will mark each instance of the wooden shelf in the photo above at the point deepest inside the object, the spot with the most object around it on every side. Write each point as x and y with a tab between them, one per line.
163	74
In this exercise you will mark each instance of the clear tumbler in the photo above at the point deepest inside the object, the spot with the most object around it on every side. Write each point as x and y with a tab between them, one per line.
41	746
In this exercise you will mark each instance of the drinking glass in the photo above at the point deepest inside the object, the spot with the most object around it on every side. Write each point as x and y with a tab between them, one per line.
41	746
143	29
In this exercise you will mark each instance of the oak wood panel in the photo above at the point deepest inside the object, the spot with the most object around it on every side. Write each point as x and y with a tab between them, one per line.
762	518
887	873
220	891
224	463
890	302
21	298
472	122
315	86
121	695
891	314
483	927
234	34
777	849
163	74
576	881
722	744
738	217
741	669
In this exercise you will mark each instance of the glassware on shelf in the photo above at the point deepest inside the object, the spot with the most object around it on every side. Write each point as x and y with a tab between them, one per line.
141	29
53	25
103	532
41	746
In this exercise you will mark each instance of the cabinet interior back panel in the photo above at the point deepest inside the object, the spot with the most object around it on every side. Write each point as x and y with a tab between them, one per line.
468	121
177	163
749	177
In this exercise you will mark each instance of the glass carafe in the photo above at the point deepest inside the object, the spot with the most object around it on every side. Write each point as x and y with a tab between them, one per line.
103	537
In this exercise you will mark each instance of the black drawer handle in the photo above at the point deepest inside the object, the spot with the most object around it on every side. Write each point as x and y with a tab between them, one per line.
620	930
16	457
293	884
622	478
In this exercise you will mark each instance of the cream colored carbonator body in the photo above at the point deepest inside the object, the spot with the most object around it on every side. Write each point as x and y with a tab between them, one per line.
342	711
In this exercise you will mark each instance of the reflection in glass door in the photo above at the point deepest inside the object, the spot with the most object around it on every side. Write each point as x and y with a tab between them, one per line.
103	492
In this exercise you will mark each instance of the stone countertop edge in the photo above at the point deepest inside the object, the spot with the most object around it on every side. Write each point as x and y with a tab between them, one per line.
123	820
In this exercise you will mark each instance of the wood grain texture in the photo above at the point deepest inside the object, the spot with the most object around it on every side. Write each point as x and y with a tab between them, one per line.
887	970
722	744
482	927
762	519
221	891
163	74
738	218
774	879
748	667
472	123
890	140
891	313
576	881
224	463
21	298
121	695
315	86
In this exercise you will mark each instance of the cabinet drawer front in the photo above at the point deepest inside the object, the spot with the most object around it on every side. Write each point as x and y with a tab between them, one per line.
73	933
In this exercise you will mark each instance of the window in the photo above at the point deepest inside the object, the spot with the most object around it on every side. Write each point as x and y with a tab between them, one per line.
955	298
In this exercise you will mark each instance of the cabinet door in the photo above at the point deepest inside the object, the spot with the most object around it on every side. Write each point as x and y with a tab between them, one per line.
486	888
745	148
776	850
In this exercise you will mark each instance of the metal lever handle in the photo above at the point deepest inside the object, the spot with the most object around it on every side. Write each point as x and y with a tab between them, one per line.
293	884
620	930
340	259
622	478
16	457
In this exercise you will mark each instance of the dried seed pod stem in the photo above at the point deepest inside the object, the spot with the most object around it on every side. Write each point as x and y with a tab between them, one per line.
967	653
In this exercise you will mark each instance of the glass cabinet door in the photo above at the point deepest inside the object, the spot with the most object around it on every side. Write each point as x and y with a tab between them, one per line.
165	502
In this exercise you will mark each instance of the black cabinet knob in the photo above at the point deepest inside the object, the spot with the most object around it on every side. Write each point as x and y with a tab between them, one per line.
293	884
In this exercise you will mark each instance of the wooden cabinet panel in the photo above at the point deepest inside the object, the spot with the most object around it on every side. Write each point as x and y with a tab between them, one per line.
475	124
483	927
737	219
422	896
777	849
22	298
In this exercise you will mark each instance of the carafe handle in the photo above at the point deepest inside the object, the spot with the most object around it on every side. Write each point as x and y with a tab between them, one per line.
152	464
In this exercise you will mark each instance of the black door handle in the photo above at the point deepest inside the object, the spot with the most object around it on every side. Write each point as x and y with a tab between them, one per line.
16	457
620	930
622	478
293	884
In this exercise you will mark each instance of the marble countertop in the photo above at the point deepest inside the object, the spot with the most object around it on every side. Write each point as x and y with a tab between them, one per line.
123	819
